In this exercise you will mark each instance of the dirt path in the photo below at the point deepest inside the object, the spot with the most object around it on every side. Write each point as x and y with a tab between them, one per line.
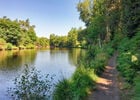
107	85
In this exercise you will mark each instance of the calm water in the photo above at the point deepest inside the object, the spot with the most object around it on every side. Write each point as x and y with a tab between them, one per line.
59	62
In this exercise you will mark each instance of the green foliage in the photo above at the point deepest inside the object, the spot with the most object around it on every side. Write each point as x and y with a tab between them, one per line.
17	32
82	38
31	85
30	46
83	81
21	47
99	61
136	88
58	41
63	90
2	44
128	63
71	40
73	37
76	88
42	42
85	10
128	59
109	49
2	41
112	25
125	66
130	14
9	46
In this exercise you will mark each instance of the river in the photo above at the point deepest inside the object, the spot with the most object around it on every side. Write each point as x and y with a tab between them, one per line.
58	62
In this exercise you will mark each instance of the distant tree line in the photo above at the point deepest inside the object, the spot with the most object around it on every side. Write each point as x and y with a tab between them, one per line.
19	33
71	40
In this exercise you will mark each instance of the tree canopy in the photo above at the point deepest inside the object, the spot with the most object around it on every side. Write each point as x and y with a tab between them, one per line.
17	32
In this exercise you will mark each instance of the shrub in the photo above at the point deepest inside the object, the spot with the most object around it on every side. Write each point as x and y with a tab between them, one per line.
128	59
125	66
31	86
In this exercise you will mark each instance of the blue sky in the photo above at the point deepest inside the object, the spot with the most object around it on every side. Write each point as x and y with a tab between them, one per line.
49	16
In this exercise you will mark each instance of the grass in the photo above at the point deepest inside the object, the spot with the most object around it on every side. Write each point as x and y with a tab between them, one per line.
76	88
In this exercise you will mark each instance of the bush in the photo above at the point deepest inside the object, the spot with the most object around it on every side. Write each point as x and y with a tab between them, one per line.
125	66
31	86
128	59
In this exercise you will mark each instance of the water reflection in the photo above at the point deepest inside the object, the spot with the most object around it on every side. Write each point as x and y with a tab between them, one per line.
61	62
75	55
14	59
10	60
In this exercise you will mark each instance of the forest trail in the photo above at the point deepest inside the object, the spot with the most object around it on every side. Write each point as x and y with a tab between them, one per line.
107	84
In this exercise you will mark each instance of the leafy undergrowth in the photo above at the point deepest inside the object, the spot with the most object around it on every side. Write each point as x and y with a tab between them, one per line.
136	88
130	91
76	88
128	64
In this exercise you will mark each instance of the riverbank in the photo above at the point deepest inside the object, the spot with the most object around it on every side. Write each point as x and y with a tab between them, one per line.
83	81
11	47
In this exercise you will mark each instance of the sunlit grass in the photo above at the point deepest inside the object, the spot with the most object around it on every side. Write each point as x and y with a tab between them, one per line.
78	87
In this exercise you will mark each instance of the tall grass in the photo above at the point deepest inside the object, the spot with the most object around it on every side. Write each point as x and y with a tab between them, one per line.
76	88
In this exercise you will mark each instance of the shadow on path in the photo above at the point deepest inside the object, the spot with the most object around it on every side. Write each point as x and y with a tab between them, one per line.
107	84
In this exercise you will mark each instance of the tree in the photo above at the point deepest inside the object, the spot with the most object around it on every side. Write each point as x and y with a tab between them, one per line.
85	9
42	42
130	17
73	37
17	32
10	31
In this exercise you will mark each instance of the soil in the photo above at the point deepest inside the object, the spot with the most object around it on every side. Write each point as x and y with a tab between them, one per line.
107	84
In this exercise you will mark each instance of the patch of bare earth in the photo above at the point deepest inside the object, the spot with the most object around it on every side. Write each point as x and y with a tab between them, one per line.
107	84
